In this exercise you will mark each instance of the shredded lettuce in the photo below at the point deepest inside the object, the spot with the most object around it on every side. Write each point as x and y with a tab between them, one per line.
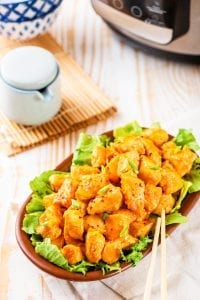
85	146
75	204
142	244
51	253
194	177
135	255
175	218
104	189
105	268
183	193
186	137
30	222
131	128
133	166
82	267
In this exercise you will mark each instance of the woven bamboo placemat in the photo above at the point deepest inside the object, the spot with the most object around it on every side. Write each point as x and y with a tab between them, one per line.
83	102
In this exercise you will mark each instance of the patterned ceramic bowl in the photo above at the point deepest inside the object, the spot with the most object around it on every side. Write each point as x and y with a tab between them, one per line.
25	19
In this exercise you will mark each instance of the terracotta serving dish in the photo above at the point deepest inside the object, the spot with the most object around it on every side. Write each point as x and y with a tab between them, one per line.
40	262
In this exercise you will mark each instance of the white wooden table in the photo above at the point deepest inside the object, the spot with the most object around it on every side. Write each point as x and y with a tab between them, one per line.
145	88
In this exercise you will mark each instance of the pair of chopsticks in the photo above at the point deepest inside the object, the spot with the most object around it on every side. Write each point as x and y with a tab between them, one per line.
160	226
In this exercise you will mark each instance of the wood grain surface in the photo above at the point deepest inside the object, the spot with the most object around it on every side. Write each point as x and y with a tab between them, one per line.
143	87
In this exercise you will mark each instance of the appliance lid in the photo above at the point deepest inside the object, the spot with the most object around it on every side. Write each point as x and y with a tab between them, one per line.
141	28
28	68
157	21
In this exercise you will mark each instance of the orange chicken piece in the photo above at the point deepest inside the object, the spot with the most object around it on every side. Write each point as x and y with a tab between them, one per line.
166	202
110	152
78	205
69	240
89	186
66	193
152	151
166	165
116	225
181	159
128	213
157	135
129	143
50	223
149	172
141	229
73	224
78	171
72	253
109	199
152	195
127	241
133	191
128	161
95	222
111	252
48	200
98	158
171	182
56	180
112	169
168	149
59	242
122	163
94	244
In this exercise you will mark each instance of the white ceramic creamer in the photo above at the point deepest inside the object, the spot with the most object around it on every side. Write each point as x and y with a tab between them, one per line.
29	85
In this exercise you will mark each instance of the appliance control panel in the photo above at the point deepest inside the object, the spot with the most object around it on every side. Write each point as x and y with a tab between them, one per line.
161	13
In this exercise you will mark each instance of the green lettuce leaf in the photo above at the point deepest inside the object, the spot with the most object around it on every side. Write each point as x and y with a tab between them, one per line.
142	244
82	267
30	222
194	176
183	193
135	255
105	268
85	147
41	185
175	218
156	125
35	238
130	128
51	253
36	204
186	137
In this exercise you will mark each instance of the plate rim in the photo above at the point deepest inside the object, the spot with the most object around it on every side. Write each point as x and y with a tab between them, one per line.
27	248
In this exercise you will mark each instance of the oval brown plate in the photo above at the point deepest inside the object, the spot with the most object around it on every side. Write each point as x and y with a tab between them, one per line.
26	246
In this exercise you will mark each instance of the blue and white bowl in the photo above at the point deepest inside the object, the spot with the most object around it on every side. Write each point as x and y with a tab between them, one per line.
25	19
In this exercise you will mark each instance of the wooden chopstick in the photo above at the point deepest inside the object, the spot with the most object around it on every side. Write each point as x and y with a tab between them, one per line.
148	286
163	290
160	226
